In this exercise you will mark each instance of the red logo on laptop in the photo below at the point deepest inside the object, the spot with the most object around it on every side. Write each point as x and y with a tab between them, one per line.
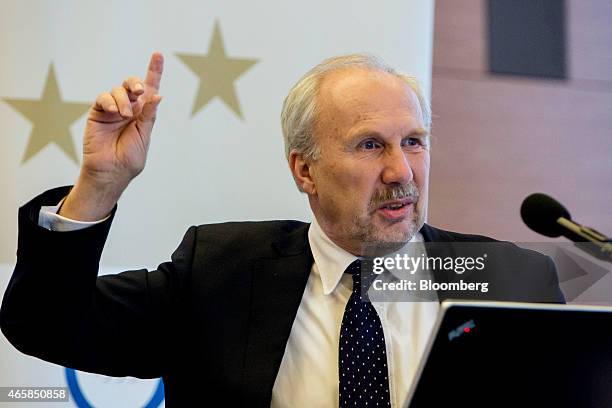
466	327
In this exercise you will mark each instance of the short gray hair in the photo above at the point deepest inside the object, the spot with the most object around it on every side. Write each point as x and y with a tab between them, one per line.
300	109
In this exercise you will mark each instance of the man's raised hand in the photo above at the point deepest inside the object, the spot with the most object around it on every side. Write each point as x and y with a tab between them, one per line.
115	145
119	127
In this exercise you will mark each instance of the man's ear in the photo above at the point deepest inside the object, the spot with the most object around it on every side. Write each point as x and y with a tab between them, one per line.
302	173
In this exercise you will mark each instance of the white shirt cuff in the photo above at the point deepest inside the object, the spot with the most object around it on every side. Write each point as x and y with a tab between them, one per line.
49	218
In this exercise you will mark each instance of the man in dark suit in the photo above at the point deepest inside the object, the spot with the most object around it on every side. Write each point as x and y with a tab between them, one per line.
250	313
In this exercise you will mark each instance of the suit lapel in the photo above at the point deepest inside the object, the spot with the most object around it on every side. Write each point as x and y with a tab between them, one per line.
444	244
278	285
439	245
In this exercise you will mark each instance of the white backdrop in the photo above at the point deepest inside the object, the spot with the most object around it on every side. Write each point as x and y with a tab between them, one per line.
208	167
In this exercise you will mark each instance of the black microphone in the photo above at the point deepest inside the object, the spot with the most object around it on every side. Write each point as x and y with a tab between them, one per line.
546	216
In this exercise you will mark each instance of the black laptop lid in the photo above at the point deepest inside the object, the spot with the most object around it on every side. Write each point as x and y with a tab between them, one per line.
521	355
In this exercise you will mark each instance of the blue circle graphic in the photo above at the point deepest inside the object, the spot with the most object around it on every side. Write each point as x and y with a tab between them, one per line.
81	401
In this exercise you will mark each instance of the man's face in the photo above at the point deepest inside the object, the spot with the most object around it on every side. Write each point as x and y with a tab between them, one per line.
370	183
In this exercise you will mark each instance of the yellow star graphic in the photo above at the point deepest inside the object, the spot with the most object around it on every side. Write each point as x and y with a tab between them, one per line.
217	74
51	119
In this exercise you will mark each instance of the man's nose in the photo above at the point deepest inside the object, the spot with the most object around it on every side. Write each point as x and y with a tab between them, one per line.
396	167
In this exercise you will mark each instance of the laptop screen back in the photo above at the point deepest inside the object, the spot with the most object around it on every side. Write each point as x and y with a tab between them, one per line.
504	354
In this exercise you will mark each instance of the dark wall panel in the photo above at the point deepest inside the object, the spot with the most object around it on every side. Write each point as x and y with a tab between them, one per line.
527	37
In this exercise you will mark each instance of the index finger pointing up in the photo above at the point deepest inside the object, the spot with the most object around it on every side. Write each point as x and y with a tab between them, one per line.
154	73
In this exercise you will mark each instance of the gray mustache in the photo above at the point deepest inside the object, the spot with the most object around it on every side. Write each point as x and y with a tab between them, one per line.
395	192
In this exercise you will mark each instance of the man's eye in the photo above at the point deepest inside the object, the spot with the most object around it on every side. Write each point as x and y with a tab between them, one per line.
413	142
370	145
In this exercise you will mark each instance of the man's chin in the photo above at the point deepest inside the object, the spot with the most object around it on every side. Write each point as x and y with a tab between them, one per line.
380	248
389	239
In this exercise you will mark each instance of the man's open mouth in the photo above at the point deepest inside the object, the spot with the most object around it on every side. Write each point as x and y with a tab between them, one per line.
396	209
396	204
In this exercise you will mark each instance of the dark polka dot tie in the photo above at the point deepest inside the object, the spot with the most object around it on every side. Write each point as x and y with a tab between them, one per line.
364	378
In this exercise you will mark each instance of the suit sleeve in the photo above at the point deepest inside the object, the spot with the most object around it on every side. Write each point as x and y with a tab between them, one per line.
57	309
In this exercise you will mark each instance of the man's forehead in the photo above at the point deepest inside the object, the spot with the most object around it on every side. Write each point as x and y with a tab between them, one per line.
340	79
359	94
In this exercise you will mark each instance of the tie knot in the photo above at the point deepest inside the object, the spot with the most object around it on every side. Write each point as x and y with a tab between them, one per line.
355	270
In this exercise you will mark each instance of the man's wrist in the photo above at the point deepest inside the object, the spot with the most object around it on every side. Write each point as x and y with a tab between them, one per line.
90	201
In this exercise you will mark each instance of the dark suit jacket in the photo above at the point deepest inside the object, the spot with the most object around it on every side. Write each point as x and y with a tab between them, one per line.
213	322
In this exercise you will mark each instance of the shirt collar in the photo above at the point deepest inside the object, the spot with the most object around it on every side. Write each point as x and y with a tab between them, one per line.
330	259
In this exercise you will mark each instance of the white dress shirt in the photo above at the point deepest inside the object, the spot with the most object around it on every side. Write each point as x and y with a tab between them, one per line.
308	374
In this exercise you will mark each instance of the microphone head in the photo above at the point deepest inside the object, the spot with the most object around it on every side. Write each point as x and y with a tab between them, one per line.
540	212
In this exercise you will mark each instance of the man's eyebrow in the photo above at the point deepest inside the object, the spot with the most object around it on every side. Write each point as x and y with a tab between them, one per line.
421	132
